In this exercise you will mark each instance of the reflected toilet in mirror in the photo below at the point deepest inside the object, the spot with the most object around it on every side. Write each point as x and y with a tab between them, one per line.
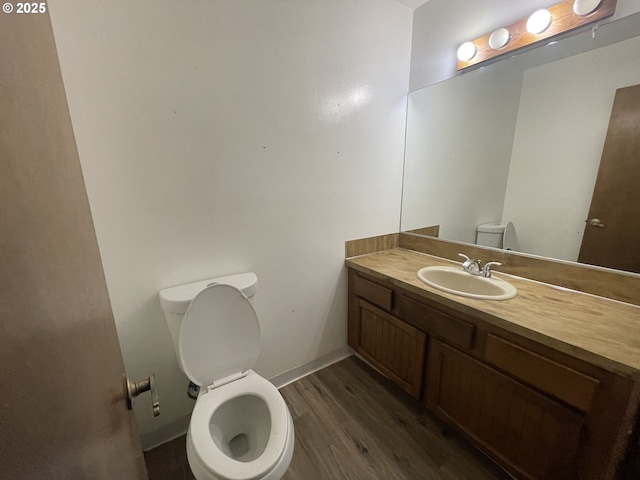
497	235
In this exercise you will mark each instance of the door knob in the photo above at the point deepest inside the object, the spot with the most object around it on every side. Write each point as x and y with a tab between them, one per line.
136	388
595	222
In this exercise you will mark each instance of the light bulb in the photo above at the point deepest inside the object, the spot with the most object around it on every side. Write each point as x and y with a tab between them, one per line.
499	38
585	7
467	51
539	21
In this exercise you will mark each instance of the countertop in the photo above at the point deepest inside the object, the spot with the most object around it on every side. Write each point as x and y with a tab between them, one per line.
598	330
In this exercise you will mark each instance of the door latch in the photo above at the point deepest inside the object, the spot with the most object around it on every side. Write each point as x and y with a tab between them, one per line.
136	388
595	222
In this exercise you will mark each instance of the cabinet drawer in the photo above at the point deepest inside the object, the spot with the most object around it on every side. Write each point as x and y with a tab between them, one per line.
558	380
373	293
455	331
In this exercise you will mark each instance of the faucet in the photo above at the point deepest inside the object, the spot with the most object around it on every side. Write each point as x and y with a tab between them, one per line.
486	270
473	266
470	266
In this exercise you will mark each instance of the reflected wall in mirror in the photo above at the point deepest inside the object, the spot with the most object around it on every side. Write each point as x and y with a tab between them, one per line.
519	141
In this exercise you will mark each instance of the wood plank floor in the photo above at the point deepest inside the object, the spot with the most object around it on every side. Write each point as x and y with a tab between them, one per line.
352	423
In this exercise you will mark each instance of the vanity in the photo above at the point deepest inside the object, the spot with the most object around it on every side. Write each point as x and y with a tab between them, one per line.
545	383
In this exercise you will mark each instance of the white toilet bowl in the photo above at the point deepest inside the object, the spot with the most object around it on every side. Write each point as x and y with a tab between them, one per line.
240	428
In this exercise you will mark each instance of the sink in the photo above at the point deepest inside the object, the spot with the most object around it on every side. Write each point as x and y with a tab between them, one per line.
457	281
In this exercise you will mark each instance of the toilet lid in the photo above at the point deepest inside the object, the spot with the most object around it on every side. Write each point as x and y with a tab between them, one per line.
219	336
509	240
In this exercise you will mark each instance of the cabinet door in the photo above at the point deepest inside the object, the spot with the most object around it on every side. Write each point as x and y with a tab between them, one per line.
390	345
529	434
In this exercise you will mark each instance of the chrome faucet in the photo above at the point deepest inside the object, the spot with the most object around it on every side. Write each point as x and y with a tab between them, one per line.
470	266
473	266
486	270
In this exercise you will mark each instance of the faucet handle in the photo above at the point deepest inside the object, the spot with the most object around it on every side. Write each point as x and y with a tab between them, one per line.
469	265
486	270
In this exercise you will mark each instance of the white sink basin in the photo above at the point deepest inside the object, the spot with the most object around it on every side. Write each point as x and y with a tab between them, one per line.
457	281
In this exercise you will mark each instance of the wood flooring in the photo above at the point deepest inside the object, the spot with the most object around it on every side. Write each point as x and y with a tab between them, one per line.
352	423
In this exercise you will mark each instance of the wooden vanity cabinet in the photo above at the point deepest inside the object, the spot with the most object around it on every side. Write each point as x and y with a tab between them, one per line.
530	433
537	412
394	347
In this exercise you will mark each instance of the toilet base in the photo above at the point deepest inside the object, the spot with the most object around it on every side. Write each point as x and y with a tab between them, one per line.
276	473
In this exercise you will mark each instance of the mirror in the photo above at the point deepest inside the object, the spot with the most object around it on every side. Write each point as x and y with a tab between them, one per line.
519	140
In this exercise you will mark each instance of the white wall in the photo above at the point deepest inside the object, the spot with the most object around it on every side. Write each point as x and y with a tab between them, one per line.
458	149
218	137
441	26
412	3
554	169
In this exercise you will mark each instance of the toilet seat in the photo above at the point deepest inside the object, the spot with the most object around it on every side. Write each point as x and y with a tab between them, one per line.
219	337
216	462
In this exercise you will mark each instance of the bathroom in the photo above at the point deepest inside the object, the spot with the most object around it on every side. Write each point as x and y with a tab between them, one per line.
220	137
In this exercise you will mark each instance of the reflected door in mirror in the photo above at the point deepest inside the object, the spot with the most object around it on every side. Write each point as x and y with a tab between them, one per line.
613	226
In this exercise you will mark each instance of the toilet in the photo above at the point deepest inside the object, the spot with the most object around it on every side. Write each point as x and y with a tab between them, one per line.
241	427
497	235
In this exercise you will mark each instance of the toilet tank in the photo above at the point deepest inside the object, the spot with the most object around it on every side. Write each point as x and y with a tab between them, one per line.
175	300
497	235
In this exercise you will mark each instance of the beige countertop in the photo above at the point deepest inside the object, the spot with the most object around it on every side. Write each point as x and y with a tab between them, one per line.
601	331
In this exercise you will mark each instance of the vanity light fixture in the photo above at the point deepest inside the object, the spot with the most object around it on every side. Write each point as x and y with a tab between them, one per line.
467	51
540	26
539	21
499	38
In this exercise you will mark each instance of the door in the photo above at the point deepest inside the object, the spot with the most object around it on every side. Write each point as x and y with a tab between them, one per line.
63	410
612	233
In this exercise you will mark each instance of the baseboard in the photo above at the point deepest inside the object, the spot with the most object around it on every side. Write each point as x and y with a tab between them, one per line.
324	361
165	434
179	427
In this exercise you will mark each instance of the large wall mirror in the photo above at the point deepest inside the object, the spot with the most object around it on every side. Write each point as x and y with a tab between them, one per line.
520	140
